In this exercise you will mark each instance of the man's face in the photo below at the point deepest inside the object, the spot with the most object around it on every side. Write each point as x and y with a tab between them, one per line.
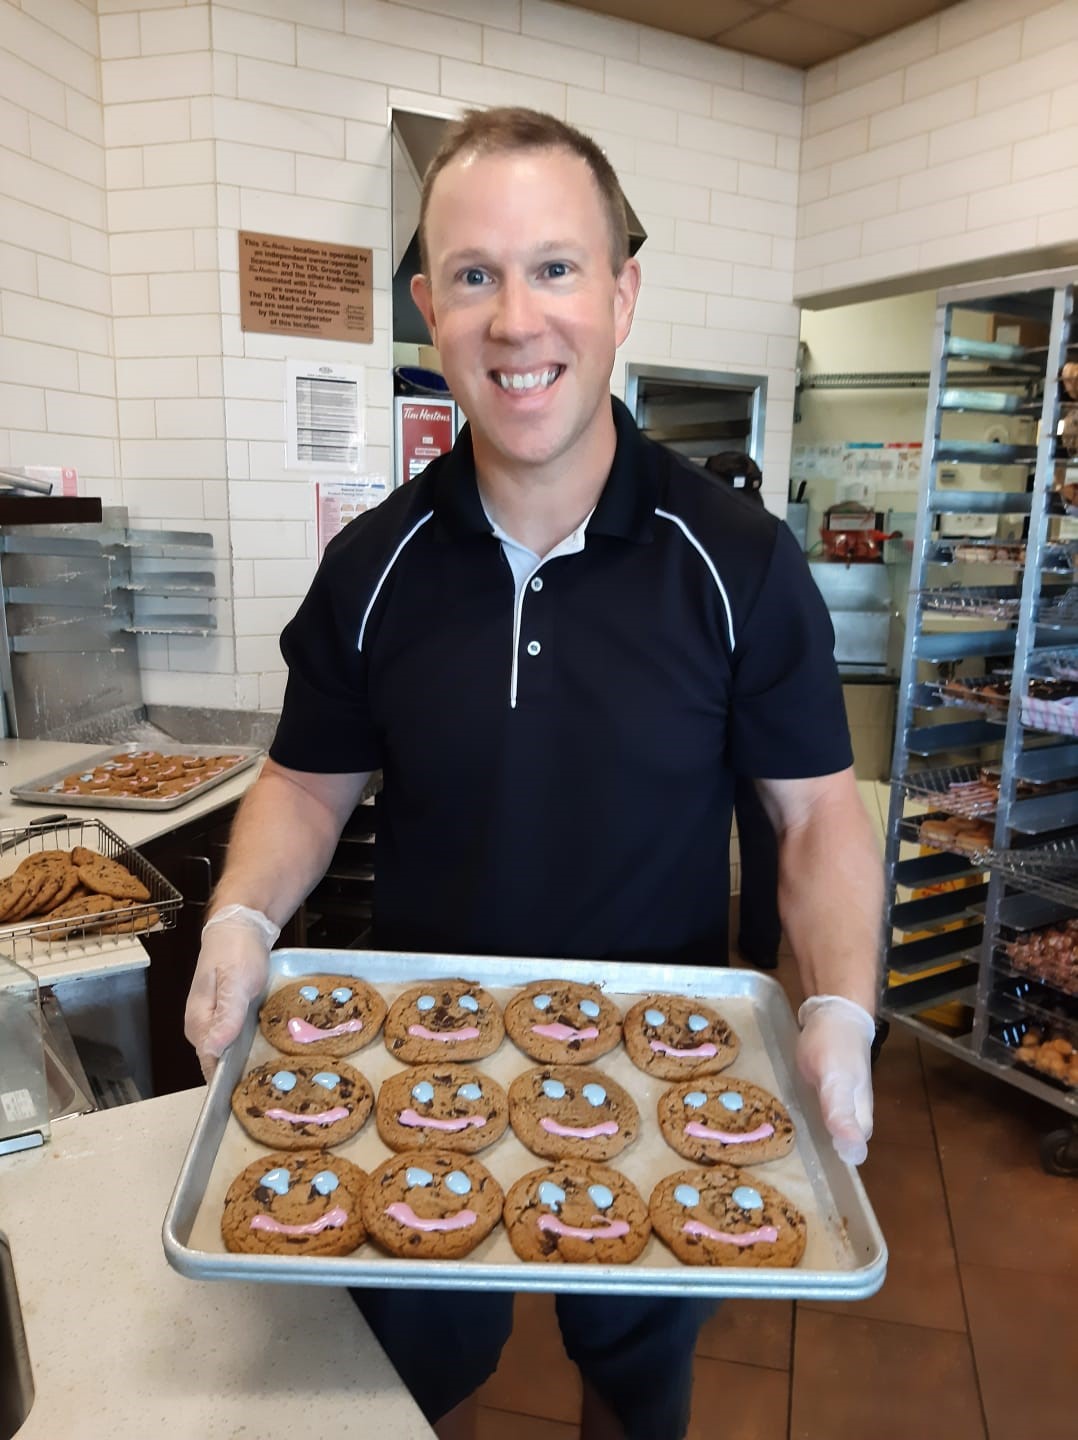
522	303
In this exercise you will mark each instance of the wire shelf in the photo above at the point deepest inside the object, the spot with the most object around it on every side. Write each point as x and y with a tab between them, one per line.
1049	956
957	789
1049	870
973	601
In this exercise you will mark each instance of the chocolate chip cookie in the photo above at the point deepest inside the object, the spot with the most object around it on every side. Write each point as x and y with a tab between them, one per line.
314	1101
441	1107
572	1112
723	1118
298	1202
443	1020
330	1014
562	1022
576	1213
431	1204
725	1216
676	1038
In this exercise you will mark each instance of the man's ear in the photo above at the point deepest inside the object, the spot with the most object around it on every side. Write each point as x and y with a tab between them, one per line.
420	288
626	293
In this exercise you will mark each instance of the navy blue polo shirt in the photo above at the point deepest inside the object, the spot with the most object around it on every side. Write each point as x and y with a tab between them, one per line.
559	767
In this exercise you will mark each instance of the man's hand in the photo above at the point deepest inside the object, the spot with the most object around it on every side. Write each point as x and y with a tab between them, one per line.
834	1056
232	970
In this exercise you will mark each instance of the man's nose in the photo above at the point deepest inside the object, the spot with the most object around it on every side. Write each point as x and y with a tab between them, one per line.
518	311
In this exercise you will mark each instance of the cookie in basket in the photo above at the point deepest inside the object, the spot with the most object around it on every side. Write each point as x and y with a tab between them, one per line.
431	1204
443	1020
82	912
316	1100
572	1112
452	1107
333	1014
676	1038
13	889
724	1216
563	1022
107	877
296	1202
726	1119
577	1213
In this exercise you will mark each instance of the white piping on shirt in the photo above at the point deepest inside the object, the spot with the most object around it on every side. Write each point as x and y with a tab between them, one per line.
691	538
518	615
385	575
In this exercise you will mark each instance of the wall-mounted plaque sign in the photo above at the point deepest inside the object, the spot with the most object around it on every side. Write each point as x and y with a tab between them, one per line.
305	287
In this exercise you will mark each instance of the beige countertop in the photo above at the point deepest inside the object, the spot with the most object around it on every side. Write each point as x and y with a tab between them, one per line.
122	1347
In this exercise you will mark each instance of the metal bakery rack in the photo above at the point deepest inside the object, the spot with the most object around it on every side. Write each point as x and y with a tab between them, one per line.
979	957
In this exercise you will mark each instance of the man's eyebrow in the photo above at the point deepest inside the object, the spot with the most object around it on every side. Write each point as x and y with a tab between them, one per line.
476	255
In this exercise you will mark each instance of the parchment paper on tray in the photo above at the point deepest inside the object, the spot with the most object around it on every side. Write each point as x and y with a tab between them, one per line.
845	1257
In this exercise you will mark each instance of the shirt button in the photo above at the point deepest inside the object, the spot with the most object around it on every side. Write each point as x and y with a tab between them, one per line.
537	584
534	647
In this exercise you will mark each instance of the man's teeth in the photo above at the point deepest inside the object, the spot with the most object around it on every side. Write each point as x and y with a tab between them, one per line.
529	381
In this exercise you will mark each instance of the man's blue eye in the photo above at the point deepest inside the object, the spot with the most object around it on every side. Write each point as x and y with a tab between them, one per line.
557	269
474	277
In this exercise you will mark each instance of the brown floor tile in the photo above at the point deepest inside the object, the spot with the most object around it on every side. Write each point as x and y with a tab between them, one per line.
905	1190
855	1378
535	1376
503	1424
750	1332
738	1402
902	1113
1025	1348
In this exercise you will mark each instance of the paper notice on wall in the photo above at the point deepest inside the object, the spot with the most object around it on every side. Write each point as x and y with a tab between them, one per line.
324	416
338	502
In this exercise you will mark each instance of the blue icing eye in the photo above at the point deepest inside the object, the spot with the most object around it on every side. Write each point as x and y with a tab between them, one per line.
325	1182
697	1023
601	1197
276	1180
551	1195
696	1098
308	992
541	1002
748	1198
731	1100
327	1079
416	1175
468	1002
687	1195
594	1094
423	1092
654	1017
590	1009
457	1182
341	994
425	1002
470	1091
284	1080
553	1089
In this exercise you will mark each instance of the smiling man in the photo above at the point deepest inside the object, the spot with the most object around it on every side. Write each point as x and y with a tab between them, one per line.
560	644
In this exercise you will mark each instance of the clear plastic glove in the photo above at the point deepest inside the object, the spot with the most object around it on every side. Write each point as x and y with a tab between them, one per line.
834	1056
232	970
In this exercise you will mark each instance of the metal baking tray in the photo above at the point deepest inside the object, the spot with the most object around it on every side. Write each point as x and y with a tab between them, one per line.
39	791
845	1258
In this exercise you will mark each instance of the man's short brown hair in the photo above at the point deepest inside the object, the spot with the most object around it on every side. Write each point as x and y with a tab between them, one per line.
506	129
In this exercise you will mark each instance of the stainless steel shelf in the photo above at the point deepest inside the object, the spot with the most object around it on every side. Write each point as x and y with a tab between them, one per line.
958	984
912	915
926	740
933	869
1041	814
1032	912
939	645
979	502
977	452
916	955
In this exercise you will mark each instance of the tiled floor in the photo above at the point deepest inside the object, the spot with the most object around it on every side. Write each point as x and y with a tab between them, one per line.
974	1335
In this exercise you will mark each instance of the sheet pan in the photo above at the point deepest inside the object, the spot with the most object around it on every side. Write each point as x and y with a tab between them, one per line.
38	790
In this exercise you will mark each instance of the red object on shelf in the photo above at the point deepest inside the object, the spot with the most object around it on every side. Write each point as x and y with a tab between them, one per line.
856	546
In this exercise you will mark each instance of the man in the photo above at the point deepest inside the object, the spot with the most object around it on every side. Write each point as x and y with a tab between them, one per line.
558	644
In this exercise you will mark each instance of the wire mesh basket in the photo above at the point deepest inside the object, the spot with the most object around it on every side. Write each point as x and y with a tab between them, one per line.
98	924
1048	870
958	789
1059	610
975	601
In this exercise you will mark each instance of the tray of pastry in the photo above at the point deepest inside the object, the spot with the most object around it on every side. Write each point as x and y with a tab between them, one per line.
133	777
232	1182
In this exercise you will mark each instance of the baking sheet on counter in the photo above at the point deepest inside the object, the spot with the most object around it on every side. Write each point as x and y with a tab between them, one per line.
845	1257
39	791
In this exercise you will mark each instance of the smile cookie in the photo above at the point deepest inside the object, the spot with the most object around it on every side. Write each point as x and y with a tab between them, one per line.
725	1119
443	1020
295	1203
676	1038
722	1216
572	1112
576	1213
316	1100
431	1204
330	1014
560	1022
447	1107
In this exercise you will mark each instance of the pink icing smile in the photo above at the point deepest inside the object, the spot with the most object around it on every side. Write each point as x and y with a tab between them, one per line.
410	1117
586	1132
403	1213
705	1051
324	1117
613	1230
332	1219
304	1033
557	1031
701	1132
466	1032
765	1235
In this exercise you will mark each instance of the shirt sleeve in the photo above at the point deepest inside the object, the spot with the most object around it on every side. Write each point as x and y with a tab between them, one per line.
787	718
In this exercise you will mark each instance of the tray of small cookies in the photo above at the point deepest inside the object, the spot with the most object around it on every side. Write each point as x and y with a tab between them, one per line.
519	1124
132	777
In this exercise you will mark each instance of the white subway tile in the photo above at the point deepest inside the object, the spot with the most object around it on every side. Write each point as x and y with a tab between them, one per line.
777	117
439	106
1057	229
267	461
718	137
342	180
841	279
171	32
814	185
160	77
27	88
272	500
691	167
932	112
28	318
997	128
997	240
669	271
15	127
187	162
243	581
1050	26
306	89
781	384
282	129
72	414
669	197
97	375
620	150
768	77
123	168
84	116
203	124
130	295
271	690
329	14
89	247
840	210
583	29
660	229
364	59
49	52
1040	195
153	497
941	182
151	376
505	14
842	243
742	212
757	282
821	82
653	86
256	419
191	419
191	293
74	21
148	122
167	207
73	285
262	652
764	183
732	312
787	152
136	420
731	349
211	379
153	335
52	235
18	266
648	343
685	56
198	653
86	453
480	86
366	144
835	144
415	29
1035	76
119	37
23	178
530	56
253	35
237	460
911	226
256	165
856	103
974	58
174	459
889	54
314	219
22	405
968	21
904	157
716	242
684	307
266	540
228	207
151	251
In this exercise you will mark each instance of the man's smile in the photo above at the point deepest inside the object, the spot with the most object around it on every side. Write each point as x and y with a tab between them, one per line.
527	380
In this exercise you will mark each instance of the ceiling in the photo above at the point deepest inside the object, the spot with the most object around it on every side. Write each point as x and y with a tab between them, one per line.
795	32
